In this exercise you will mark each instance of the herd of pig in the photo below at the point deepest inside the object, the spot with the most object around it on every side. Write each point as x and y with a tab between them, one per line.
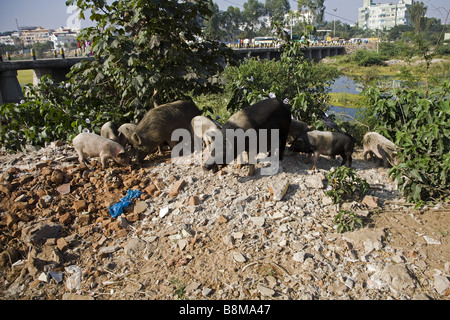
156	128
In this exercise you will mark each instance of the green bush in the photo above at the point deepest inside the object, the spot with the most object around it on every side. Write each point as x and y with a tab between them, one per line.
419	124
56	111
344	184
365	58
303	83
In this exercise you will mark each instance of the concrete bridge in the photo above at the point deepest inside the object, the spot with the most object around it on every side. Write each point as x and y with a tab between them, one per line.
316	53
10	90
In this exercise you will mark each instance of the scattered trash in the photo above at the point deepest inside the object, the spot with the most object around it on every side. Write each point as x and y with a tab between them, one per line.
116	209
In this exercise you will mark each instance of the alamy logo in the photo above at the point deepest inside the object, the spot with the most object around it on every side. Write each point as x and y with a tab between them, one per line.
223	150
73	21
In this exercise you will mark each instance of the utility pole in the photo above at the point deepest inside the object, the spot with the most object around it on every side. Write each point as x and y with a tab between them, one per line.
334	23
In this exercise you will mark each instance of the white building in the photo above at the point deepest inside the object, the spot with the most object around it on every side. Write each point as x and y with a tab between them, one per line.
8	40
379	16
63	36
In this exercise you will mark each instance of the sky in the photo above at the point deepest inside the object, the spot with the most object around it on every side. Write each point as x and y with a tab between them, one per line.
54	13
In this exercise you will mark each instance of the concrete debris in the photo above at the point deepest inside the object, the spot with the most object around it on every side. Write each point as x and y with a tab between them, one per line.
192	234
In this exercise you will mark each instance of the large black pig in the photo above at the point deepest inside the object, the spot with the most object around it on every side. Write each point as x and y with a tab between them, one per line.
327	143
267	114
158	124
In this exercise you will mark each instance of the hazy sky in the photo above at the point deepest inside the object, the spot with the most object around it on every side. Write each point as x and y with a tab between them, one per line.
54	13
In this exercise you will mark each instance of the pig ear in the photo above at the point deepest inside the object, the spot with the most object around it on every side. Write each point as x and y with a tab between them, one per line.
136	138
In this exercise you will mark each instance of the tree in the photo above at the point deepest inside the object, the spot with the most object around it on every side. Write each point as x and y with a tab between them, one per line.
214	24
253	11
148	51
41	47
316	7
417	14
277	8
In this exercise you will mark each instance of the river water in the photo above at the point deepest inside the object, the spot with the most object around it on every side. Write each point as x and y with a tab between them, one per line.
347	85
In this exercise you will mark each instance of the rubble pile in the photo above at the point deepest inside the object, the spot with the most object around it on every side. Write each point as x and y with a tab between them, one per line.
190	234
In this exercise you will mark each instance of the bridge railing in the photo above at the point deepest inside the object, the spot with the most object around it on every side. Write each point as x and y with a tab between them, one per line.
58	68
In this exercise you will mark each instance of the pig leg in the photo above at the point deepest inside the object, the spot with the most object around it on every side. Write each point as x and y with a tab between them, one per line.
104	159
82	158
315	159
346	159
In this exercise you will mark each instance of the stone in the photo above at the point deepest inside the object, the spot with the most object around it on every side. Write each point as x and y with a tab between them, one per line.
192	286
431	240
64	188
369	239
194	201
222	219
11	219
134	246
266	292
163	212
65	219
41	231
398	278
206	291
370	201
80	206
258	221
74	296
239	257
140	207
176	188
61	244
315	181
57	177
278	189
441	284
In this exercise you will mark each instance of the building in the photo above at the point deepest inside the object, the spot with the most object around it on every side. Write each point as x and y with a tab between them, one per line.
7	40
37	34
383	16
63	36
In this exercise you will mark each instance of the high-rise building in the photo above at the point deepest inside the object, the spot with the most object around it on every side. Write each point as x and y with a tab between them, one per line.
380	16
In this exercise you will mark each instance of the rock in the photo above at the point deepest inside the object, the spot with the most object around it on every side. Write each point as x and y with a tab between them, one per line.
258	221
315	181
266	292
176	188
74	296
222	219
73	281
398	278
134	246
239	257
11	219
57	177
441	284
140	207
80	206
194	201
163	212
369	239
61	244
278	189
431	240
64	188
41	231
206	291
370	201
192	286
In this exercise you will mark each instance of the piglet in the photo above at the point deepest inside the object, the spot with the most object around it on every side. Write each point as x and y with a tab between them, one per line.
93	145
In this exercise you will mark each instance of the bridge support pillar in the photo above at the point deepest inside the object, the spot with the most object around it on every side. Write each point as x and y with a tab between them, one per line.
58	74
10	91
